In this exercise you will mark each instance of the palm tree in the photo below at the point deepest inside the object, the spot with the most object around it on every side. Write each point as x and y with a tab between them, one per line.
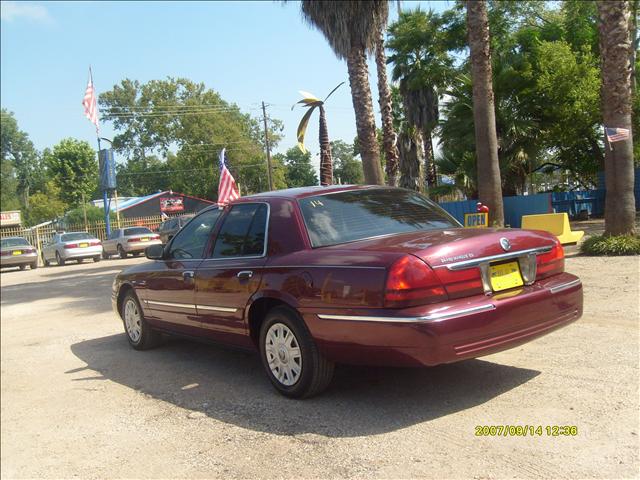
615	46
489	185
310	101
423	65
386	107
351	29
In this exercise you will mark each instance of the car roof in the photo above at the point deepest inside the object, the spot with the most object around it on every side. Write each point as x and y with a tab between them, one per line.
302	192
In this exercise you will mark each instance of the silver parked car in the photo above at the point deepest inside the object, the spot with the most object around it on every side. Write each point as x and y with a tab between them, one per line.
71	246
17	252
124	241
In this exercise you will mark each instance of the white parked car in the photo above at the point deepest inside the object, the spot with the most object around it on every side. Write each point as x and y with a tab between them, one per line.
71	246
124	241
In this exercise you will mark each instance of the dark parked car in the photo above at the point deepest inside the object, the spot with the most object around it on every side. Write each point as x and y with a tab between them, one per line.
360	275
18	252
170	227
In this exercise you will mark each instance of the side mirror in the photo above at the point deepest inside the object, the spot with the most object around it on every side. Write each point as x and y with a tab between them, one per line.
154	252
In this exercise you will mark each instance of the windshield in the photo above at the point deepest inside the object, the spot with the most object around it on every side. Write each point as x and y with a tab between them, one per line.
13	242
137	231
68	237
359	214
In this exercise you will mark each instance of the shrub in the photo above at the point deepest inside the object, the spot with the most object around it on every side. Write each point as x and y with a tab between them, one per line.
620	245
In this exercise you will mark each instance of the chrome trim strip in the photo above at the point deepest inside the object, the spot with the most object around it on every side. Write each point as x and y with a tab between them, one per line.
564	286
502	256
434	317
170	304
325	266
216	309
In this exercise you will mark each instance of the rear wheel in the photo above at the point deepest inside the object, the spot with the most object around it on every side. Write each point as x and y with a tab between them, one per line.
105	255
139	334
45	261
96	258
59	260
34	265
290	357
23	267
80	260
121	252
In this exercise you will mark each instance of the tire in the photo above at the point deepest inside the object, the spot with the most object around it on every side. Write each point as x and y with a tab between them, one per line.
105	255
34	265
139	334
80	260
121	252
314	371
96	259
45	261
60	261
136	254
23	267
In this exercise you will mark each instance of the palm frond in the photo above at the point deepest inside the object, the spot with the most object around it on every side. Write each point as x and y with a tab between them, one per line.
302	128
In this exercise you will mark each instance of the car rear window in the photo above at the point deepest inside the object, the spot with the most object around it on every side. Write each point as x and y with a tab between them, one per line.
13	242
136	231
68	237
359	214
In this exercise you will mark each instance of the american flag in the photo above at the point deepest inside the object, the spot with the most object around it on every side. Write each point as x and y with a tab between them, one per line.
227	188
90	104
616	134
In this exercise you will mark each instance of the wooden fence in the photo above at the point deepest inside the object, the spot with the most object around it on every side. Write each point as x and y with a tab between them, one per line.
42	234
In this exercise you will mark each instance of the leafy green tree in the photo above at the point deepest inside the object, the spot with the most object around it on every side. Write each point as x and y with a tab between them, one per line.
141	176
74	168
185	125
45	206
351	28
8	186
17	148
94	214
348	169
298	169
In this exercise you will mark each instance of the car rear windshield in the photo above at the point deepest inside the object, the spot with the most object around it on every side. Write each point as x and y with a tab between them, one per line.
137	231
359	214
68	237
13	242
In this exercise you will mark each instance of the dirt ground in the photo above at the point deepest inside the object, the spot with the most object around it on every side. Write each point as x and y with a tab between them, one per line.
78	402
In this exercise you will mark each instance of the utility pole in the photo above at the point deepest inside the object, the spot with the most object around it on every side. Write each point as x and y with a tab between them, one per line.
266	142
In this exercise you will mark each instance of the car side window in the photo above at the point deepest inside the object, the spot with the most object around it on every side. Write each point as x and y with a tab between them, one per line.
191	240
115	234
243	232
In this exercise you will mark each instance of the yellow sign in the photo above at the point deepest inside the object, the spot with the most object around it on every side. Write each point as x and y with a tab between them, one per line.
476	220
505	276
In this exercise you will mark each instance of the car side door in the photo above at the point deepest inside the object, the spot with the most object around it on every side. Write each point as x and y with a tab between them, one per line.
48	249
110	245
231	274
168	297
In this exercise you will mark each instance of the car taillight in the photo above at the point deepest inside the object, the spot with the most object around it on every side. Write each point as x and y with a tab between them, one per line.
95	243
71	245
155	237
412	282
4	254
551	262
461	283
134	239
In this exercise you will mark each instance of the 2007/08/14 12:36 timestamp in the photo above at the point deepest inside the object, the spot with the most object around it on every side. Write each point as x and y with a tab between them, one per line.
526	431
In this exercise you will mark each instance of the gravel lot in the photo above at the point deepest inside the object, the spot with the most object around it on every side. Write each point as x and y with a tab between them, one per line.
77	401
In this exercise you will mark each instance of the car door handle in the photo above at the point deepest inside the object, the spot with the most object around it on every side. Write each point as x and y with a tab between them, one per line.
187	276
245	274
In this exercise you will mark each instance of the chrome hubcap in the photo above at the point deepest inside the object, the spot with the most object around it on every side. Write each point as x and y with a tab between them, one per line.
283	354
132	320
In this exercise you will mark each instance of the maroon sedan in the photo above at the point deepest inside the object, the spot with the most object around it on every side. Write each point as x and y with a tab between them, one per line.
315	276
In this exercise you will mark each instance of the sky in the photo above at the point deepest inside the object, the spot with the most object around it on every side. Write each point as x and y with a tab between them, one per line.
248	52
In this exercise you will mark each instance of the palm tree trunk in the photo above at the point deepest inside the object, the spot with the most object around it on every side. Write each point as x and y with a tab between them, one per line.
429	158
484	118
384	99
615	43
365	122
411	160
326	163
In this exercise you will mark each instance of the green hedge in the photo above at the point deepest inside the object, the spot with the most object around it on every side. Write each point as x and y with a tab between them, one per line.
621	245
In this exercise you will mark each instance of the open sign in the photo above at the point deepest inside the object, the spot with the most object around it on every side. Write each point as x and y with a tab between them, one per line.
476	220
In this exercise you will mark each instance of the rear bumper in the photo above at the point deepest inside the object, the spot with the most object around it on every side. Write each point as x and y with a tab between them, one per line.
450	331
87	252
16	260
139	246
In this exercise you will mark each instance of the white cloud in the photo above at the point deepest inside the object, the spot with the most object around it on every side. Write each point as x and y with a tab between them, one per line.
10	11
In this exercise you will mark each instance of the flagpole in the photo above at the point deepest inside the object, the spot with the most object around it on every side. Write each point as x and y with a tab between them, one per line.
606	139
105	194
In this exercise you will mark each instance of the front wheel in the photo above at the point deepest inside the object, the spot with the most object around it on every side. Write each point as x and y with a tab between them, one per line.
96	259
121	252
139	334
34	265
59	260
45	261
290	357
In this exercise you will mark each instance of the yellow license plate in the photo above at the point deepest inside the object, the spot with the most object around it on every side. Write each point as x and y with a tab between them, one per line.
505	276
144	239
83	245
17	252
